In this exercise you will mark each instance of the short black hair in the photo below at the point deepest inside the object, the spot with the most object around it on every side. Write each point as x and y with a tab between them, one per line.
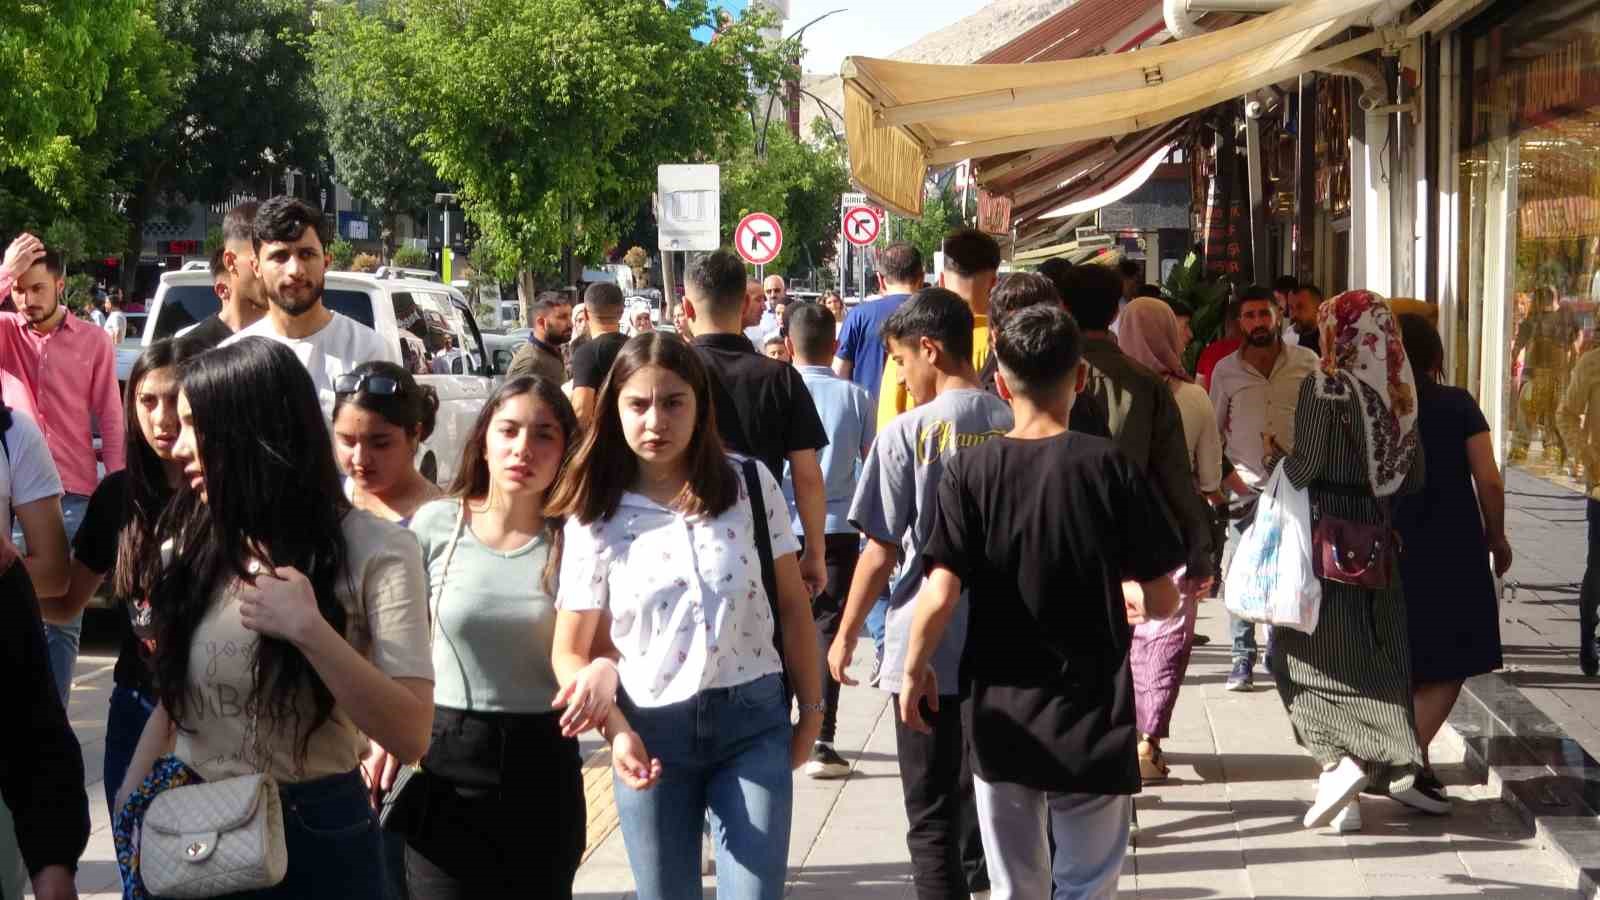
240	222
1286	284
1127	268
937	314
218	264
283	219
901	263
52	262
1093	294
811	327
719	279
603	300
1020	290
1423	346
1149	290
1255	292
968	251
1311	289
1039	348
546	301
1056	270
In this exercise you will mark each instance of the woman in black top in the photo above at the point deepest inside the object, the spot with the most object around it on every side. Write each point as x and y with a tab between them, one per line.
1454	620
119	529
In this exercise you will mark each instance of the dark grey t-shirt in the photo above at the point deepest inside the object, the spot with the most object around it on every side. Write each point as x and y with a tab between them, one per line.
897	499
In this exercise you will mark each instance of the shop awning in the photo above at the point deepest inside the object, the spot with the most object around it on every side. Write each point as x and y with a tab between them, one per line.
901	118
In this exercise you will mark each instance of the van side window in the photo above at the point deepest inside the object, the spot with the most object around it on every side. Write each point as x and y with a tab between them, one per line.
408	321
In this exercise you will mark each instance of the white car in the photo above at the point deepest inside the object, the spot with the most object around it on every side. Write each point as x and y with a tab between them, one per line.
414	315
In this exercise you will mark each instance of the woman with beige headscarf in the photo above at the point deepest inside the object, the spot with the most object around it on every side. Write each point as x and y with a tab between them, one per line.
1347	685
1149	333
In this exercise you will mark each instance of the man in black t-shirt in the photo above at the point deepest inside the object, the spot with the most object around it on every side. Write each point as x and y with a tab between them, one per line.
592	361
763	408
1060	544
1019	291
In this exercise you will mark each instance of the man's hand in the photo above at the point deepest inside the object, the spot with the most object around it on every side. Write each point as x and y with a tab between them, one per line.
20	256
917	686
814	569
54	883
1500	549
1195	587
839	656
9	553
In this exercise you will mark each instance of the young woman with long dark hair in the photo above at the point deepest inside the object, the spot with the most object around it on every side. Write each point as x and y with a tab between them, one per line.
118	540
380	417
500	808
661	533
288	625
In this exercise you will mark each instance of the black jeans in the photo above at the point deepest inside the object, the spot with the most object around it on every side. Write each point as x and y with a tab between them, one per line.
936	776
840	553
1589	593
504	813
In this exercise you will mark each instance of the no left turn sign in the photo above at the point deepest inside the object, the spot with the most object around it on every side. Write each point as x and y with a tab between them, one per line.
758	238
861	225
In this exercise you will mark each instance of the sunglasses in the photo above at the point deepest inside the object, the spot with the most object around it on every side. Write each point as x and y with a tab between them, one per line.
381	385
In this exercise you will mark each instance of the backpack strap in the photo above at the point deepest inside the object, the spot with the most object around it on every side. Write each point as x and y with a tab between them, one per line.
769	568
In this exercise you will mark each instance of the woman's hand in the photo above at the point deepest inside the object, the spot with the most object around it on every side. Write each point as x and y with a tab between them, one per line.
588	698
632	762
804	738
378	770
281	604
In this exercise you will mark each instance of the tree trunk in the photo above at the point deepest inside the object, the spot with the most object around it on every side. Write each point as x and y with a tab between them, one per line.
527	288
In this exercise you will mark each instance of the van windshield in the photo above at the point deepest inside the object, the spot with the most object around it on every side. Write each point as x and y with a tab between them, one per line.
186	304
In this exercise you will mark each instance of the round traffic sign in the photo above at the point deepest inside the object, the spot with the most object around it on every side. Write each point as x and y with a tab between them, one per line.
758	238
861	225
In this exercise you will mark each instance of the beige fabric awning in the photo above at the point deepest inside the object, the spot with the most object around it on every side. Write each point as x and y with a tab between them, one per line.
901	118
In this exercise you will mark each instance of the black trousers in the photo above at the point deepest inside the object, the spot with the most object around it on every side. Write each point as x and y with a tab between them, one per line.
840	554
505	812
945	843
1589	593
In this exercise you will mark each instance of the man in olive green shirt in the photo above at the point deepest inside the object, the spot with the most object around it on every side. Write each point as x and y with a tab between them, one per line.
551	315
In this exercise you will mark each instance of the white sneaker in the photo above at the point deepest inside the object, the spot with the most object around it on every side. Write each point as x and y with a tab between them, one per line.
1349	819
1335	789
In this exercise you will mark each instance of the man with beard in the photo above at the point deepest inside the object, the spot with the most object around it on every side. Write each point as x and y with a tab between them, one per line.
1254	391
64	371
551	313
239	290
289	260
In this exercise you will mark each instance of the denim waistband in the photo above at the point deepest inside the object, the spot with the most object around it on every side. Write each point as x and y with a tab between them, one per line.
326	786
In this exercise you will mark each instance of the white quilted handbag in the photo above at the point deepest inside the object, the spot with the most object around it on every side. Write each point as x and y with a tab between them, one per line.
215	838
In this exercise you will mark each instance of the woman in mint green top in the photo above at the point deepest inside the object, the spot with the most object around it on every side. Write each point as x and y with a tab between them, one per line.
501	807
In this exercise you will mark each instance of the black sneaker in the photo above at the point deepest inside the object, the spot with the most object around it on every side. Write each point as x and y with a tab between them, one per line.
825	763
1242	678
1588	660
1429	781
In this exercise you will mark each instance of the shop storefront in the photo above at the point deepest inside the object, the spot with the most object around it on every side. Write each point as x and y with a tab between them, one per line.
1527	205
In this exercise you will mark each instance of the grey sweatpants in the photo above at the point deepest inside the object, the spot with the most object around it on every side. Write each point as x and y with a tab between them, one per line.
1091	836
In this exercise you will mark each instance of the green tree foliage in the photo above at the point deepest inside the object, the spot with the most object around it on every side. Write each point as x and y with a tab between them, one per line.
552	115
1209	300
56	58
371	135
412	258
941	214
343	253
796	182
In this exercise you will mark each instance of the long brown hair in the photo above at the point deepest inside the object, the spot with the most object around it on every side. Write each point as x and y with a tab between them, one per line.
604	466
472	477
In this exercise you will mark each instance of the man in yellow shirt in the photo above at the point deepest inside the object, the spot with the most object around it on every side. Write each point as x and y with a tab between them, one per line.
971	268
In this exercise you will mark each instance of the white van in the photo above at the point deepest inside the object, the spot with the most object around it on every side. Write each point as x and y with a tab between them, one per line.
413	315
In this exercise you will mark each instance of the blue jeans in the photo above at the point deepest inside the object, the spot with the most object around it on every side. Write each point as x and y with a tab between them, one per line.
62	640
876	622
332	837
125	722
726	751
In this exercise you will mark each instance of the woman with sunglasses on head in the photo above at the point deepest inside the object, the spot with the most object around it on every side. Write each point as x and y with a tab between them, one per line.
499	810
289	626
661	533
381	416
118	540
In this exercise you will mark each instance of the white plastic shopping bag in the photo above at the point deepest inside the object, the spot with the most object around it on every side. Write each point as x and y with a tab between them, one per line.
1270	578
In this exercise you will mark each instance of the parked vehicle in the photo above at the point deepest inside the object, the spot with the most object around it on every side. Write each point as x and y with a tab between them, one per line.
425	321
132	344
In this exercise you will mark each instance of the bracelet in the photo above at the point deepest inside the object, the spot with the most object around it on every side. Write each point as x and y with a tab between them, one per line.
819	707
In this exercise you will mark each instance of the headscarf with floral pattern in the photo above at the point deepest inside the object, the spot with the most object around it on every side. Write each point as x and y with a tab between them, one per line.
1362	356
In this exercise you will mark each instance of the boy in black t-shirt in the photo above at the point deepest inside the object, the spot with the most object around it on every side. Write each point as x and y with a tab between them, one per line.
1057	565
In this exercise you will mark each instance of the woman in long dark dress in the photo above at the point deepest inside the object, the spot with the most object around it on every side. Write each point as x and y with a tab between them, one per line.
1347	685
1447	534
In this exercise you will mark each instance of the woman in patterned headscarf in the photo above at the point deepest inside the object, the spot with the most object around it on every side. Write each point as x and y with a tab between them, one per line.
1348	685
1148	332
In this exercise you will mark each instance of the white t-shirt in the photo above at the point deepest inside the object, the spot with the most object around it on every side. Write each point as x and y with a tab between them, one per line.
688	609
116	326
340	346
27	473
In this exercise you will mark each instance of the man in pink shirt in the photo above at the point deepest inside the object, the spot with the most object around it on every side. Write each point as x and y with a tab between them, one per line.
68	369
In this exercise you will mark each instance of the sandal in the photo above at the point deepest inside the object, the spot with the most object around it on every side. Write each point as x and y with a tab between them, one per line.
1152	764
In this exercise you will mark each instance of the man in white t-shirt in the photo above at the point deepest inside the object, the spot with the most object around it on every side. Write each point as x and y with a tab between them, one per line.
30	490
116	323
291	262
